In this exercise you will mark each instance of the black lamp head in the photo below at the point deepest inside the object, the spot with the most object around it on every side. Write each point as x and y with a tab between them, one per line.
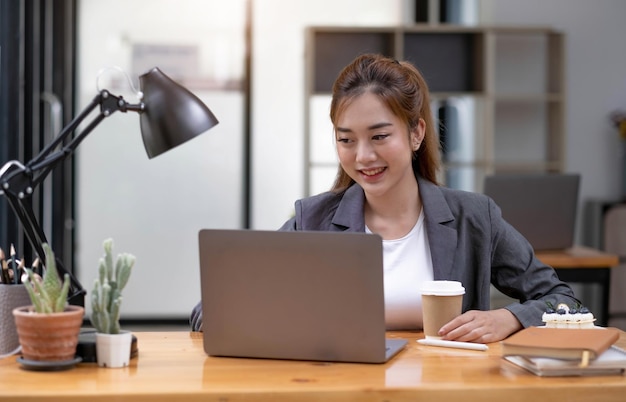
171	114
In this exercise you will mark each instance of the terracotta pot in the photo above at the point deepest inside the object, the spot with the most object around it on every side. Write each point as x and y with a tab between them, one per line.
48	337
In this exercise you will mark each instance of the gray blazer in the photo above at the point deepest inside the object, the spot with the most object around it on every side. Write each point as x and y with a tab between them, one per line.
469	242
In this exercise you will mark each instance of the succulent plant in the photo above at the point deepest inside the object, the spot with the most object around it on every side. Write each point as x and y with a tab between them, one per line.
48	295
106	296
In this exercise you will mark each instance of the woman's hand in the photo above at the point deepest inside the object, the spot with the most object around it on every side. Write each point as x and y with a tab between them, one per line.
481	326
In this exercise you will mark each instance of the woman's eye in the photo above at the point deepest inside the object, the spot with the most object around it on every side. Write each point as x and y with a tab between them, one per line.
380	136
343	140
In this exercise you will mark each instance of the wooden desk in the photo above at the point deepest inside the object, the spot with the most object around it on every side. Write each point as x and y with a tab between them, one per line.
172	366
584	265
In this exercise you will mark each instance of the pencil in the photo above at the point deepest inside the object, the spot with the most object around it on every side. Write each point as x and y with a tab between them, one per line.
35	266
453	344
20	270
14	266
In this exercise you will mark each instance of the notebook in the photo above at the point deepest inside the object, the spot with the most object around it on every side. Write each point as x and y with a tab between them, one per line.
610	362
579	344
294	295
542	207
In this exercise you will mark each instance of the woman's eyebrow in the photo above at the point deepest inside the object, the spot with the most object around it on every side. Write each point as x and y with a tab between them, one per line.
379	125
372	127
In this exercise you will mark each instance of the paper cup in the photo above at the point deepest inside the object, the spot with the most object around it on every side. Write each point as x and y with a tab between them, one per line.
441	302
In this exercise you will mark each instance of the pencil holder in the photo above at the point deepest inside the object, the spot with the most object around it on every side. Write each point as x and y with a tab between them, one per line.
11	297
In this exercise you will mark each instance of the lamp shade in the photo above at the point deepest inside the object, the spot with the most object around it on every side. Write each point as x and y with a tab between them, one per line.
172	114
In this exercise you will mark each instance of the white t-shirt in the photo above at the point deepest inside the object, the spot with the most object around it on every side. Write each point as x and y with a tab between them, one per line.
407	263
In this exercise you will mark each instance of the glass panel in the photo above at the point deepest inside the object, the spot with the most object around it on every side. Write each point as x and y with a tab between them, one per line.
154	208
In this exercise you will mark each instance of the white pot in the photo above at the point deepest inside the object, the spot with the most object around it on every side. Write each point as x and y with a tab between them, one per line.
113	350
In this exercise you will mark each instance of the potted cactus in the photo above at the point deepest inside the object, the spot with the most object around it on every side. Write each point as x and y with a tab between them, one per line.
48	329
112	344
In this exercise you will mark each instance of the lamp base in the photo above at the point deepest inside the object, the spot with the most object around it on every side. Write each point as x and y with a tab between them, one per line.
86	348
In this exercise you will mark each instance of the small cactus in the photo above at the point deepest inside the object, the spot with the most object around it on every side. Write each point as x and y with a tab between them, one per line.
48	295
106	297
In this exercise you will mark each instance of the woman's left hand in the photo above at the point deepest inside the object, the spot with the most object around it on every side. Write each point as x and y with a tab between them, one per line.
481	326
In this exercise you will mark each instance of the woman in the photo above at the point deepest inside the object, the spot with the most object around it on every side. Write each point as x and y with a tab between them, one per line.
387	184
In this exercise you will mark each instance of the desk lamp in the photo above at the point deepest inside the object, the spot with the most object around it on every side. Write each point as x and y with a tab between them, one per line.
169	116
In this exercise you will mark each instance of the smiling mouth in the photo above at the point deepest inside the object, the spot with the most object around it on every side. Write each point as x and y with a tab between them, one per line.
372	172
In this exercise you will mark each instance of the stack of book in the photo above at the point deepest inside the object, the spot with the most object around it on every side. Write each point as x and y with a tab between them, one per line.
565	352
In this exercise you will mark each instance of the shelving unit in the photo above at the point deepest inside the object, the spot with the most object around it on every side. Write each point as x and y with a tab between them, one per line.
499	91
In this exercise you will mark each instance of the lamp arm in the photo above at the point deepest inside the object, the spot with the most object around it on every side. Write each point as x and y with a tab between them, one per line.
18	181
42	168
67	130
45	161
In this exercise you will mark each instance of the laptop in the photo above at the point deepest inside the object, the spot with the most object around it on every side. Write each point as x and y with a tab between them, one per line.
542	207
294	295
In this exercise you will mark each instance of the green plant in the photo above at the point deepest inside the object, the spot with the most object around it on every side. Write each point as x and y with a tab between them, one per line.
106	297
48	295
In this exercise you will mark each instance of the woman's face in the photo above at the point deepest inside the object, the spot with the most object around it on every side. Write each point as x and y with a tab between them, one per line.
374	145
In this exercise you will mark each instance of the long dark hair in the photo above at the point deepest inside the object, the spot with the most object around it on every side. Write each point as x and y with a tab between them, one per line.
403	89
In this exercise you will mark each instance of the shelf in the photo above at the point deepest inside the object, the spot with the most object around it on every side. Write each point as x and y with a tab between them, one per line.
449	61
334	50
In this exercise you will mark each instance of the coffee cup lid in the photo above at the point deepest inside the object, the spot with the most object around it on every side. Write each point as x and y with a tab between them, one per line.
442	288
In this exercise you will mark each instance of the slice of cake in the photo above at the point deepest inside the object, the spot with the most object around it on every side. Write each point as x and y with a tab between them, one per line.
565	317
